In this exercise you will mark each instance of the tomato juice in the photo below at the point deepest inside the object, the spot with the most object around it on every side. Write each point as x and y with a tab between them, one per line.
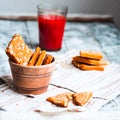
51	30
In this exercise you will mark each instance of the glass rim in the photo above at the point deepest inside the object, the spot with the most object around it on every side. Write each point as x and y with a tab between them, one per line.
48	7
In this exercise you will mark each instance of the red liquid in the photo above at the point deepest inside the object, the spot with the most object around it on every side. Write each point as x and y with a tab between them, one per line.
51	29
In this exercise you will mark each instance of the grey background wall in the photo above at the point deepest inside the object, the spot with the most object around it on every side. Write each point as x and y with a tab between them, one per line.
28	7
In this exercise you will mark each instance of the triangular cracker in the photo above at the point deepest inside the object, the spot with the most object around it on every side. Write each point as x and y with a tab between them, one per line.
61	99
82	98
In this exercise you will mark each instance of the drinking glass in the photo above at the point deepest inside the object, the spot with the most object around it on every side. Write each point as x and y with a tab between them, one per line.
51	24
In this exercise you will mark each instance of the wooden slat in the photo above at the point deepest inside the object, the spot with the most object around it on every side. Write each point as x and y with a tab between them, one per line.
89	18
71	17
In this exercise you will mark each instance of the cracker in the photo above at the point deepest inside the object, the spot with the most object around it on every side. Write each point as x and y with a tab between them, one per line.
82	98
61	100
83	66
48	59
89	61
41	58
91	54
34	57
18	51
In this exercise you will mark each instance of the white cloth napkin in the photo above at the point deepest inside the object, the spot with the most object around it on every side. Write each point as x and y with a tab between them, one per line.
105	86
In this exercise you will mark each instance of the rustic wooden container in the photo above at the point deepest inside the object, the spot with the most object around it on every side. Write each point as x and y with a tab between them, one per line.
31	79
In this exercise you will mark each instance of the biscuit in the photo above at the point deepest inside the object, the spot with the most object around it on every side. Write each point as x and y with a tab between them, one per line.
91	54
41	58
89	61
48	59
34	57
61	100
82	98
83	66
18	51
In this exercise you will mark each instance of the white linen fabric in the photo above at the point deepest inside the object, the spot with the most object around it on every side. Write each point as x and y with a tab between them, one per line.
105	86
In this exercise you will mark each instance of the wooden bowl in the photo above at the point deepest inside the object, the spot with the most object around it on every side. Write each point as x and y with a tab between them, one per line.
31	79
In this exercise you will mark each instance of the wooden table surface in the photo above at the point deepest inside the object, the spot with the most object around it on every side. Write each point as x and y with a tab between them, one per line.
100	36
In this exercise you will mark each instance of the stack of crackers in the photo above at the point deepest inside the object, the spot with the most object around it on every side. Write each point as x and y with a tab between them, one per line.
89	60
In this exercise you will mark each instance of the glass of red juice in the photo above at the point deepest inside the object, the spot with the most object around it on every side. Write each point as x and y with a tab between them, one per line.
51	24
